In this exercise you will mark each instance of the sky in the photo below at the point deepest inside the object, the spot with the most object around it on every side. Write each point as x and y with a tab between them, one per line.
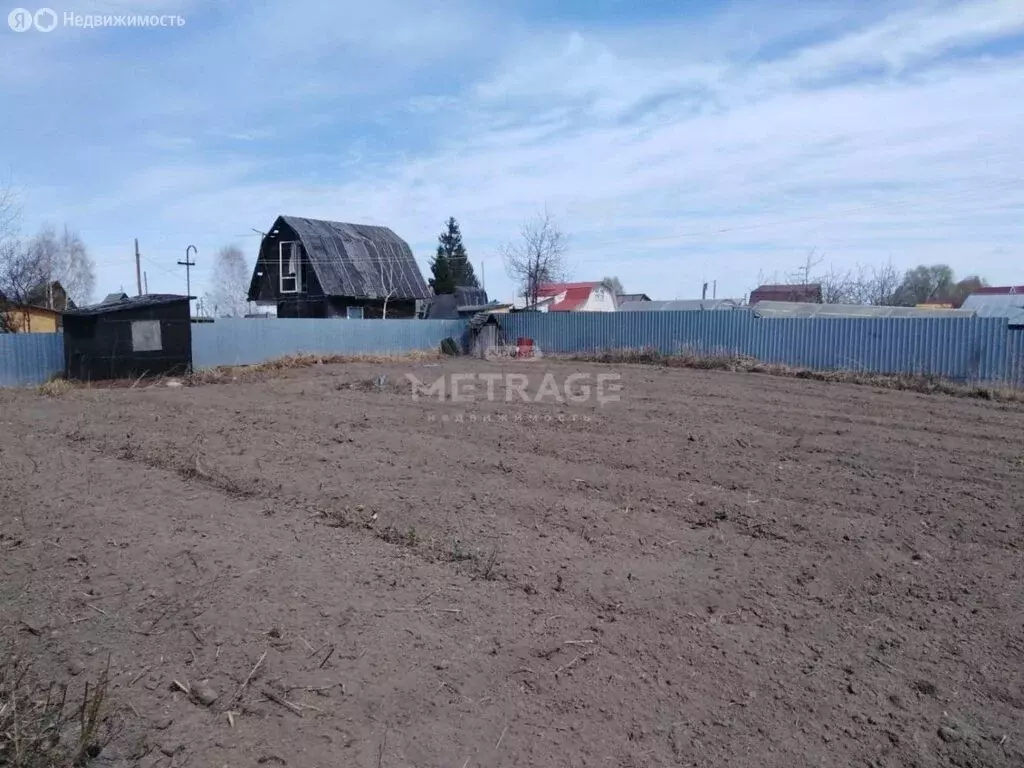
675	143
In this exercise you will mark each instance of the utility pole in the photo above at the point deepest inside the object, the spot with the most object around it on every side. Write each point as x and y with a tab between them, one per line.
714	290
138	267
483	274
188	264
145	283
704	292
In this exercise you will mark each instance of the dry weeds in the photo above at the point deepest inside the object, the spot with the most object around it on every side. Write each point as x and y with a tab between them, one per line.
261	371
432	549
729	361
56	387
39	728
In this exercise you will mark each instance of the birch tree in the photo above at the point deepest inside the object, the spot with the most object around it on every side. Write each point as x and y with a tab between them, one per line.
229	284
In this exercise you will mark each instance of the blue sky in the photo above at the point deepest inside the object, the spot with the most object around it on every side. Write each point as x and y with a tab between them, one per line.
675	144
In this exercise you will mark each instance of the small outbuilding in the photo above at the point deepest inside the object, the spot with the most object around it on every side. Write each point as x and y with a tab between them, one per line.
128	337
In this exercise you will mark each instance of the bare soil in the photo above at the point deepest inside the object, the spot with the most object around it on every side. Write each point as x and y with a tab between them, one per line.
720	569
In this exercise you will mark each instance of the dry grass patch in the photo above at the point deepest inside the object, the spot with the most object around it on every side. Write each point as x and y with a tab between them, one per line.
730	361
56	387
261	371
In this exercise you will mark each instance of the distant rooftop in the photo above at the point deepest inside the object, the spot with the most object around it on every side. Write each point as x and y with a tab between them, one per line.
622	298
1008	305
798	292
779	309
998	290
680	305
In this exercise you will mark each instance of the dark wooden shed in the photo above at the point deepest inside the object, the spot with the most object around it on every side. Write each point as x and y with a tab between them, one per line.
128	337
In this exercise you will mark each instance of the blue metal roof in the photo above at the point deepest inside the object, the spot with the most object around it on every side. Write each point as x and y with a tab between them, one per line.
1008	305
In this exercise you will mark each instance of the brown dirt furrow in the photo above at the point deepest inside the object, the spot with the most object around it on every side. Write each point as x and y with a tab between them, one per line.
721	569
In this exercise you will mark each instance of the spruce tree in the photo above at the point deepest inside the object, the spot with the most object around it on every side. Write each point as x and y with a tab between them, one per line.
451	266
440	268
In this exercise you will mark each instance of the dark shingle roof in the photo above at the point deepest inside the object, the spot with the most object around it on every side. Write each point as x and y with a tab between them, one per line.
348	259
469	296
622	298
443	307
448	306
128	302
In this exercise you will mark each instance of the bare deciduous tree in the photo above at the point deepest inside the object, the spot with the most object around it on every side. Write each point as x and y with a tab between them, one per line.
877	286
804	272
63	258
20	275
837	287
76	268
537	257
882	287
16	276
28	269
10	213
229	285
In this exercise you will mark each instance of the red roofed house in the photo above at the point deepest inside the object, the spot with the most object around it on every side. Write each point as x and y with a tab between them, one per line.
574	297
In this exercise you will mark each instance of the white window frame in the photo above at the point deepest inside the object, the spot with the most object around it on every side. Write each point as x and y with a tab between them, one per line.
297	277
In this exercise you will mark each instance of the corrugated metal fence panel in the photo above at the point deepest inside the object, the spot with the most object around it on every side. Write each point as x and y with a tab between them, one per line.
245	342
964	349
27	359
975	349
1015	357
667	332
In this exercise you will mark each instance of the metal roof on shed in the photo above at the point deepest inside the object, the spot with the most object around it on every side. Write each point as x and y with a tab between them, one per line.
1008	305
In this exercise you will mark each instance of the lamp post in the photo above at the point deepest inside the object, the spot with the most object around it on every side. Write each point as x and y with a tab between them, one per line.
188	264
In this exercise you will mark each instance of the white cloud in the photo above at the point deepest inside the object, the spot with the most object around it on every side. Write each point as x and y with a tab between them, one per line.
734	150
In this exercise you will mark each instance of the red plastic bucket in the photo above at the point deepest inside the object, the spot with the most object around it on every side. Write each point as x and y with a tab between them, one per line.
524	347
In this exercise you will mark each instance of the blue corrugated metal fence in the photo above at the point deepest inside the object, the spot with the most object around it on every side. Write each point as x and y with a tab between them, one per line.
244	342
30	358
961	349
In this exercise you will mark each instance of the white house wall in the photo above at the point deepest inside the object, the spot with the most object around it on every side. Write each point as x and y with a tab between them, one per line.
600	300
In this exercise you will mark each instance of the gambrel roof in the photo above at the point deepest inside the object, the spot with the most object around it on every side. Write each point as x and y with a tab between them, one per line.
356	259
